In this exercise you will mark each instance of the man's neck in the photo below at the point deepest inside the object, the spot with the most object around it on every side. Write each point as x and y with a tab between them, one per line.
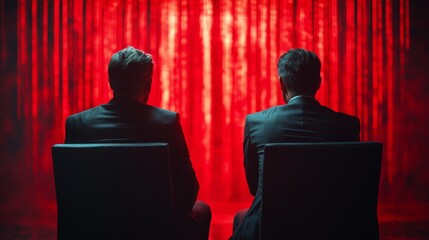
300	95
124	96
130	97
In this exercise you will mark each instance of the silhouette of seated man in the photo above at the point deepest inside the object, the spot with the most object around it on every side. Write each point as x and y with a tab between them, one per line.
128	118
301	119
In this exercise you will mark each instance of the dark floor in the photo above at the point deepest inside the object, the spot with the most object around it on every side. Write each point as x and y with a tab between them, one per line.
400	222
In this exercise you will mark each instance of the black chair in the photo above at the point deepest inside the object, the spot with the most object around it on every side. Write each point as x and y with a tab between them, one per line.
113	191
320	191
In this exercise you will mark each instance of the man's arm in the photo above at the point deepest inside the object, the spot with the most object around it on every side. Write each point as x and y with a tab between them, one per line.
250	161
70	131
184	181
355	127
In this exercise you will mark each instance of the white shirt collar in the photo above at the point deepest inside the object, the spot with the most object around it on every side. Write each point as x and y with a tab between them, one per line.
299	96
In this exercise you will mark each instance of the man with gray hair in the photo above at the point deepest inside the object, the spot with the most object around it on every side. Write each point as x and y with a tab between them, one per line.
128	118
301	119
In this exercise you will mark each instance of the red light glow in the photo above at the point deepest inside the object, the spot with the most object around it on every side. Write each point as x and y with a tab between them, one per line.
215	63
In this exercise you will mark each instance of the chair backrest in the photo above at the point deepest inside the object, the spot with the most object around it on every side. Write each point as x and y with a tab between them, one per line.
113	191
320	191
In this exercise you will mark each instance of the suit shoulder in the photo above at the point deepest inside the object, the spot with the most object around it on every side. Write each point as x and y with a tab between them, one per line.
262	113
162	115
340	115
162	111
85	114
347	120
347	117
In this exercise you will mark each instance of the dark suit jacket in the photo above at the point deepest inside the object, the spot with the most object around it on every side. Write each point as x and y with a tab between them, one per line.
123	119
303	119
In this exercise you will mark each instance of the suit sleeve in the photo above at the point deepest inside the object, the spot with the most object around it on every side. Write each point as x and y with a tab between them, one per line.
251	167
184	181
356	130
70	131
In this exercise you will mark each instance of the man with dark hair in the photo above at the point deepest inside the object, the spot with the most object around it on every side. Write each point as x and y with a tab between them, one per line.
302	119
127	118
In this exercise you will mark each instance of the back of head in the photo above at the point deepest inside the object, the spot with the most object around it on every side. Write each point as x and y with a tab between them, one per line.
130	73
299	70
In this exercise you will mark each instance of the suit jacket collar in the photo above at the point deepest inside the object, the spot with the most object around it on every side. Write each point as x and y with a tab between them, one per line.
124	100
303	99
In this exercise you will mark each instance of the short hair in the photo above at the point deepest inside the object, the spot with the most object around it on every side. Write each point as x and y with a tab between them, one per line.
299	69
130	72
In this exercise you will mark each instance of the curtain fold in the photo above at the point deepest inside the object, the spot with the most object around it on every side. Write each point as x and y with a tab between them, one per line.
215	62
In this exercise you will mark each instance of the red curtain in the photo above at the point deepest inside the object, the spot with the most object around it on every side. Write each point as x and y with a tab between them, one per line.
215	62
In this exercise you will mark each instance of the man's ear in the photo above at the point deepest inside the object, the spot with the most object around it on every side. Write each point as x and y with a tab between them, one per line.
282	85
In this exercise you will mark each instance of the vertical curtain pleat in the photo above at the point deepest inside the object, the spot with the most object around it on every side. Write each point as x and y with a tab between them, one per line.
215	62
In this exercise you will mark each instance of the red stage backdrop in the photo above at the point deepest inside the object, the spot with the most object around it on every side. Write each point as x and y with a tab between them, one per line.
215	62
